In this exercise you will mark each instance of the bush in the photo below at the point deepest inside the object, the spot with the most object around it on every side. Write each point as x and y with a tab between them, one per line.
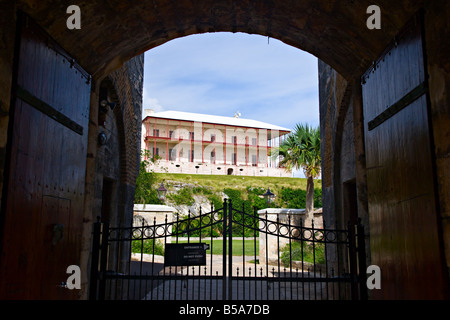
318	198
308	254
196	228
202	190
296	198
182	197
145	192
248	206
216	200
147	247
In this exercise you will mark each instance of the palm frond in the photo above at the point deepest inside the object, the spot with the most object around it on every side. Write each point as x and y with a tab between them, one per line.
301	149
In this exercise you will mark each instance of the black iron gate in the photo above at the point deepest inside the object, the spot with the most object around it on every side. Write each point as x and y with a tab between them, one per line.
227	254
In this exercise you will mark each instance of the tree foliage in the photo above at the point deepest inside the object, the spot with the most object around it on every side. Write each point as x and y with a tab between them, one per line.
145	192
301	149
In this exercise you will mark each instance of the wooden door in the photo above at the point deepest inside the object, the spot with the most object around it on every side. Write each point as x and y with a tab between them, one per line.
44	209
404	233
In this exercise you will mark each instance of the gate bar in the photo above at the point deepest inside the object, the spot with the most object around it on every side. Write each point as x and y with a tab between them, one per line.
103	260
354	242
224	256
352	260
94	263
362	261
230	250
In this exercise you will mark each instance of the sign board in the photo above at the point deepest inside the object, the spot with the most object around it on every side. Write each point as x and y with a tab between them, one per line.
185	254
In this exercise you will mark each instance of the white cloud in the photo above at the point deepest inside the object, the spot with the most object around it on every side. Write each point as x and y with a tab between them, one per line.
150	103
153	103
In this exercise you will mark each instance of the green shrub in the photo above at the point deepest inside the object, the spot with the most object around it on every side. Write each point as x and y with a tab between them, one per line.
146	184
148	246
297	249
145	191
248	206
296	198
216	200
318	198
202	190
182	197
192	228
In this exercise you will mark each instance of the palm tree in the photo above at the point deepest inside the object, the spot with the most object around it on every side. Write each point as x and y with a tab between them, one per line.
301	149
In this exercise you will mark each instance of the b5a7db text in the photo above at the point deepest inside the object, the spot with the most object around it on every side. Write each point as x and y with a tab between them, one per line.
240	309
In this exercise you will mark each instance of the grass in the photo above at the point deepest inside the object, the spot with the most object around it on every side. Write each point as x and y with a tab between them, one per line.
219	182
217	247
238	250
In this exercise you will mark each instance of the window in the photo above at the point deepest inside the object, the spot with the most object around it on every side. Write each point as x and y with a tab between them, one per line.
213	156
172	154
191	156
234	139
233	158
213	137
155	152
156	132
254	160
171	134
191	136
253	141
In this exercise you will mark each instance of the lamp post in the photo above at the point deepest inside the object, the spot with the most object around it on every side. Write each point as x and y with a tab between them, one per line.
162	192
268	196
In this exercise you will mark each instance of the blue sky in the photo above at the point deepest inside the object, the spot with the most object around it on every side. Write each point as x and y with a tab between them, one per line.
222	73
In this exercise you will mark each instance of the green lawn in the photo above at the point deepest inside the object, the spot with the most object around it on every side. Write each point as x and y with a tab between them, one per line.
220	182
238	249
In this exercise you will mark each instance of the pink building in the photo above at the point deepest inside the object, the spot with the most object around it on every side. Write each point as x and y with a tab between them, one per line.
206	144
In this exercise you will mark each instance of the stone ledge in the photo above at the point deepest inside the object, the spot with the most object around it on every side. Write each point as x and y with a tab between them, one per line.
281	211
153	208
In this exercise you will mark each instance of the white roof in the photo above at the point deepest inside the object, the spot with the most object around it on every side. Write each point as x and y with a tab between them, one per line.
198	117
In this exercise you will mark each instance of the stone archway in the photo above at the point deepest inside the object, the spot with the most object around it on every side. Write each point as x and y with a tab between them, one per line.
114	31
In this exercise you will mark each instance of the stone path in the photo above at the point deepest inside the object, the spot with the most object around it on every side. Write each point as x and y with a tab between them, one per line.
207	289
248	289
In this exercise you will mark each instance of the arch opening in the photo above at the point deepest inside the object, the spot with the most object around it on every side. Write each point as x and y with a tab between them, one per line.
248	77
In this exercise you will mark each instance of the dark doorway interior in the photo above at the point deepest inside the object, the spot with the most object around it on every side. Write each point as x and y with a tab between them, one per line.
107	198
350	202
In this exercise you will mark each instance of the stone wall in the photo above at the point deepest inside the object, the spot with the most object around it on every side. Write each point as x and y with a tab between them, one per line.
186	167
342	149
153	214
269	242
112	168
332	89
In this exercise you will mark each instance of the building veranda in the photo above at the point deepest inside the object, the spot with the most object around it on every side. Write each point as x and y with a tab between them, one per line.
206	144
